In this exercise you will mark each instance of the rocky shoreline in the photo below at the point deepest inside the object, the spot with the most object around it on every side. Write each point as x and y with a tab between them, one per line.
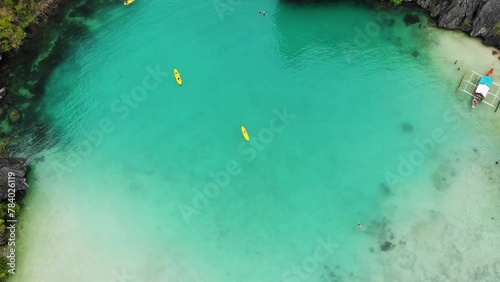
13	173
23	128
477	18
13	187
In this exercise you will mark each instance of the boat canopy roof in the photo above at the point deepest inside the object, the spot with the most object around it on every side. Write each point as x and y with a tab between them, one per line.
486	80
473	82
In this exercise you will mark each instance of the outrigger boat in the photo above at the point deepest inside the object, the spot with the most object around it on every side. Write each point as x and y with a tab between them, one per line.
482	88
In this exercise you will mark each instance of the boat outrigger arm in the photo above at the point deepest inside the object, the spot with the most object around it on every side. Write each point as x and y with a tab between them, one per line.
481	88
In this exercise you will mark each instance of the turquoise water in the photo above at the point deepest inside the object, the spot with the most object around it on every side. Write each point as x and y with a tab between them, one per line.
118	198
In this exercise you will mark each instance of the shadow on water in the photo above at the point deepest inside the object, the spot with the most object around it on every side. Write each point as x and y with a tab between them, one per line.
26	73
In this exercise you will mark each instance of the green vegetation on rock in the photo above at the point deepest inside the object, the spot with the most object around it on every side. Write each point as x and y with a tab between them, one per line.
467	22
497	27
397	2
15	17
4	269
14	116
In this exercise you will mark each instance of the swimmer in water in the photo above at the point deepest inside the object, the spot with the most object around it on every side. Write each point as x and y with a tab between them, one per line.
360	226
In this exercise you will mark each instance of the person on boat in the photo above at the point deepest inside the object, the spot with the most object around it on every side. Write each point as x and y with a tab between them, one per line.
477	98
360	226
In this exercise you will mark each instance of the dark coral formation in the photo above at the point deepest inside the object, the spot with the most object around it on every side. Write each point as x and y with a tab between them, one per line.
386	246
407	127
411	19
441	176
386	190
380	228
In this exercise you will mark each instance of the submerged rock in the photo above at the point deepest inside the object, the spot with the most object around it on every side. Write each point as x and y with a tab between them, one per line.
439	181
385	189
411	19
407	127
415	53
13	170
386	246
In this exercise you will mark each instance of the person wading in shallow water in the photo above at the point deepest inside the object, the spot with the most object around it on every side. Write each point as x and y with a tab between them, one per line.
360	226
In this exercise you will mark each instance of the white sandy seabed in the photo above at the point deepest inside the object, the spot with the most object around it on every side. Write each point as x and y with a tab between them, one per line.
449	228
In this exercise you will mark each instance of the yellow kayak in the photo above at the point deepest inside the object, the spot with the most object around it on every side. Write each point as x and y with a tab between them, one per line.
245	133
178	76
128	2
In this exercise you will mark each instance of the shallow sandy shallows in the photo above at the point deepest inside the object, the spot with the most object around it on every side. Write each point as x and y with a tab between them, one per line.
446	227
470	52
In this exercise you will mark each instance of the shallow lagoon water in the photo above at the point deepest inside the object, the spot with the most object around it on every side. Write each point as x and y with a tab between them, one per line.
119	196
